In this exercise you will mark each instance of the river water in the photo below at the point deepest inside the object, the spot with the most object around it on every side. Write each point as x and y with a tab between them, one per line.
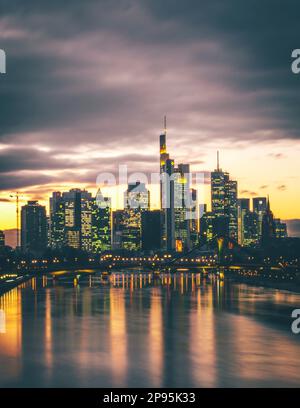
180	331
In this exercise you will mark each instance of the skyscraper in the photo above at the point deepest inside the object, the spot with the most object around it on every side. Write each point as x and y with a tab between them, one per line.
151	227
136	200
260	208
33	228
268	226
224	200
168	194
243	209
182	207
56	221
101	224
78	210
86	230
250	229
280	229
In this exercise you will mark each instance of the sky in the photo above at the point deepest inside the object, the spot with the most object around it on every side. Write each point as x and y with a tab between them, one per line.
88	84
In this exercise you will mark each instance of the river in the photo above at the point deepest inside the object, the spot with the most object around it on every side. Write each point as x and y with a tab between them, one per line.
182	330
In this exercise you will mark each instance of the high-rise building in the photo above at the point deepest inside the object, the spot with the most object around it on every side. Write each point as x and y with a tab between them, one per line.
231	209
101	224
268	226
207	227
250	229
136	200
194	219
117	223
33	228
182	207
151	230
56	221
2	239
87	208
224	200
78	209
280	229
72	204
243	209
260	208
168	195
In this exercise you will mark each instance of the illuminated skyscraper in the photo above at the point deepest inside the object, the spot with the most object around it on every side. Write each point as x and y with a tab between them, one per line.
224	200
86	230
168	194
260	208
101	224
136	200
280	229
56	221
194	219
243	208
78	209
33	228
182	207
250	229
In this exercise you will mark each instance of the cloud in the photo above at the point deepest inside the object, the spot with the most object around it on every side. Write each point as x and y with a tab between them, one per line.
247	192
103	76
282	187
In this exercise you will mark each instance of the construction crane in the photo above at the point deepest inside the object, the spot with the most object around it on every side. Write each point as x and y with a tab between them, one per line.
17	196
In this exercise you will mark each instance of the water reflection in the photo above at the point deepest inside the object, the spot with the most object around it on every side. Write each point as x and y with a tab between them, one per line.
135	328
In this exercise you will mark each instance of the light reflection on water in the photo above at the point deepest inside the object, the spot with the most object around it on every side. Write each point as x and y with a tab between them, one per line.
135	330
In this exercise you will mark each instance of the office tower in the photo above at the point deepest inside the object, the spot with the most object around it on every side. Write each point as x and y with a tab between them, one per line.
268	227
260	208
101	224
231	207
193	215
151	230
182	204
250	229
72	204
164	156
168	195
280	229
56	221
2	239
137	196
117	222
136	200
33	228
224	201
207	228
86	230
77	213
243	208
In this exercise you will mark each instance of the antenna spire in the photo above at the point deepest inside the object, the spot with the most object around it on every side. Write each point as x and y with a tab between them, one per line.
165	124
218	160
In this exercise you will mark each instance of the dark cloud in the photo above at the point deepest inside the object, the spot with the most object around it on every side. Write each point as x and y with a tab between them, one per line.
282	187
105	72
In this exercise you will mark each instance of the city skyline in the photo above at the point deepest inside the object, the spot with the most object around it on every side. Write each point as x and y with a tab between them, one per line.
223	87
116	194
